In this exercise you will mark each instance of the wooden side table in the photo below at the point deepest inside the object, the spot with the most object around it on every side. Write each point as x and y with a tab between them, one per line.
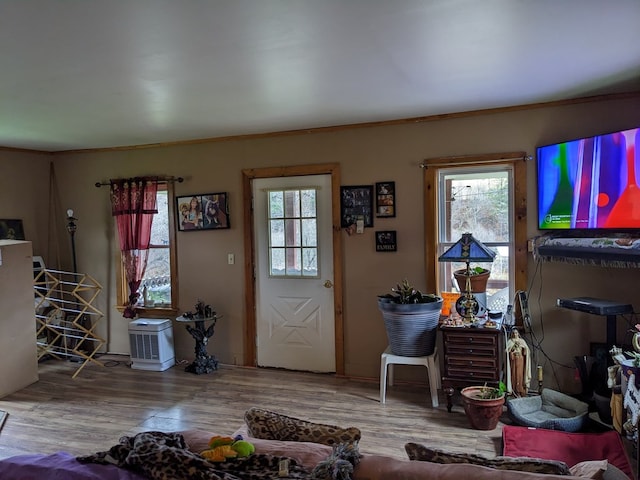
472	356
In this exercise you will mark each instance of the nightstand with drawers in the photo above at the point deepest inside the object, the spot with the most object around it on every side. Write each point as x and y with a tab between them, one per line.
472	356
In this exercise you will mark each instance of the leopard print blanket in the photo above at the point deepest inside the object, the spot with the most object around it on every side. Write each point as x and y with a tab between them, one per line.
165	456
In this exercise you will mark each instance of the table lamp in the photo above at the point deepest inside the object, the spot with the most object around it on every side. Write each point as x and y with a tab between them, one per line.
467	250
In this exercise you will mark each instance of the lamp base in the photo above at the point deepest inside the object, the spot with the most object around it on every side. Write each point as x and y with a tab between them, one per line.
467	307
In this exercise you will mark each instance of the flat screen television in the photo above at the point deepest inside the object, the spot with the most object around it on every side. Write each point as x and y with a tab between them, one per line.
590	183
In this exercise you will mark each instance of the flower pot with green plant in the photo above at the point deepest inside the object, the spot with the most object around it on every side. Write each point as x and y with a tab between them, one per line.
411	319
484	405
478	277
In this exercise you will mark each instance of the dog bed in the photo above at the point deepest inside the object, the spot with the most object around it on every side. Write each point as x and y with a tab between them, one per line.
551	410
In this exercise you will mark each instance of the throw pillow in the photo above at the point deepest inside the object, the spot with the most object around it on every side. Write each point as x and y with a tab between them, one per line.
415	451
270	425
593	469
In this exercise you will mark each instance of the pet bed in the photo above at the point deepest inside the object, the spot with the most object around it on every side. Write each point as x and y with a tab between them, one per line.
551	410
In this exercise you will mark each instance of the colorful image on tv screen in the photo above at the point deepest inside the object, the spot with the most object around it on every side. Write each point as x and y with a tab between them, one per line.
590	183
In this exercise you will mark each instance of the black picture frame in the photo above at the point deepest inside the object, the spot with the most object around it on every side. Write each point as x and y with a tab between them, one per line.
11	229
356	203
386	241
385	199
210	213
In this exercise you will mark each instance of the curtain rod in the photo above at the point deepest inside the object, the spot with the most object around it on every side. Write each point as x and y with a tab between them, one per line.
458	163
160	180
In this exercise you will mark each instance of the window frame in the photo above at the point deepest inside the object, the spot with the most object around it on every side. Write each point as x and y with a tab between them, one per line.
432	167
122	289
285	247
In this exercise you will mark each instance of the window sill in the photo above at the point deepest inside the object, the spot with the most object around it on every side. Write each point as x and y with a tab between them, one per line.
152	312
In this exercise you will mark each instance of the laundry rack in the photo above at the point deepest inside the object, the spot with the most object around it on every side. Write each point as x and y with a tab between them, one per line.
66	316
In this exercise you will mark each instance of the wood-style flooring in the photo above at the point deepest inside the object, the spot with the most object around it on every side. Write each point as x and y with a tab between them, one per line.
89	413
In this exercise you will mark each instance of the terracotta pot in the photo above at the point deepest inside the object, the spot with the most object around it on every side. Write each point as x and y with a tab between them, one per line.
483	414
478	281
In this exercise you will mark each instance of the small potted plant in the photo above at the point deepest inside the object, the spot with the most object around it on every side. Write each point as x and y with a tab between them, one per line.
478	276
483	405
411	319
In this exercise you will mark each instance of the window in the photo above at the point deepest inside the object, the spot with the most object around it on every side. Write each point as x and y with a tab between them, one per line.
293	234
476	200
159	278
486	196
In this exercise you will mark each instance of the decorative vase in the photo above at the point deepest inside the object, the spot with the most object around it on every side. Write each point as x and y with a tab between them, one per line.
411	327
478	281
482	413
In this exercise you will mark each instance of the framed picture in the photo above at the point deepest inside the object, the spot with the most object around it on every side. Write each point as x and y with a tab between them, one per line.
356	203
386	199
11	230
209	211
386	241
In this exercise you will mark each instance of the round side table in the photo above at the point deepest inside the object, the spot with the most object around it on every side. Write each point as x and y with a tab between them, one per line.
203	363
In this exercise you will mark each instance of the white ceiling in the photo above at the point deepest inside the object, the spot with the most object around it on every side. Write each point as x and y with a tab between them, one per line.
79	74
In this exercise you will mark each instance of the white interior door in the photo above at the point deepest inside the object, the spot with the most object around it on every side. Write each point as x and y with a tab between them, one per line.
295	323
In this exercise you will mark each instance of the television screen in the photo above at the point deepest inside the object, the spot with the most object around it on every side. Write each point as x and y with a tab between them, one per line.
590	183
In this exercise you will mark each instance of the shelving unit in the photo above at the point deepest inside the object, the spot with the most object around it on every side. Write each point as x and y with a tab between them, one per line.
66	317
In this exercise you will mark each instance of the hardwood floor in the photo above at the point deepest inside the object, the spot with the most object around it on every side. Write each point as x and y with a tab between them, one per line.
89	413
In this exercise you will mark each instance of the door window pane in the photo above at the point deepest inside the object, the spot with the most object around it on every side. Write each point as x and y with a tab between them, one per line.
293	223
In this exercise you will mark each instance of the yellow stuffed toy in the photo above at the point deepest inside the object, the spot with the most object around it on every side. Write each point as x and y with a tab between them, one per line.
223	448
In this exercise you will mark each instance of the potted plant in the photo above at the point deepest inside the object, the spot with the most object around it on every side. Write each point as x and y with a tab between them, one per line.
483	405
411	319
478	276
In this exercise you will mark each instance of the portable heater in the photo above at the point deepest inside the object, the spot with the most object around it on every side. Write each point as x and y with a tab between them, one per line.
151	342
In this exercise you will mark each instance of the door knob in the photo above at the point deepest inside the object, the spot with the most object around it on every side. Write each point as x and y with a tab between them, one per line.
328	284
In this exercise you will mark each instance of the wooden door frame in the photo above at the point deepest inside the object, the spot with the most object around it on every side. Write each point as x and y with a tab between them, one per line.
250	327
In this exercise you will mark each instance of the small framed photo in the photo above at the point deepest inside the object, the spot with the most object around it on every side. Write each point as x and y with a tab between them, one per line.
386	241
386	199
356	203
208	211
11	230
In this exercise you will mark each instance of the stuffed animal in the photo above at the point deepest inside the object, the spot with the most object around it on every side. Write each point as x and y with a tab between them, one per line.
223	448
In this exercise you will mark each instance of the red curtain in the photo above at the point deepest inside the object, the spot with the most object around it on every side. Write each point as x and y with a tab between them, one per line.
133	204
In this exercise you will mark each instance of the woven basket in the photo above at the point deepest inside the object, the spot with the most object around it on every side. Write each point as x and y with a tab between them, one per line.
411	328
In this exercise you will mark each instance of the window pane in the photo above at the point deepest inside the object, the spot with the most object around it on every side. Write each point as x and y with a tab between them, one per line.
309	232
308	198
276	205
160	225
475	200
293	261
293	234
478	204
277	262
157	279
292	203
310	262
277	233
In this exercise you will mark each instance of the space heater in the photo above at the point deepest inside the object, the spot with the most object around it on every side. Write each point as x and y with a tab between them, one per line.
151	342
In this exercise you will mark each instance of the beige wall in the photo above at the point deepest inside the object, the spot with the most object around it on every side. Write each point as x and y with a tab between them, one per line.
366	155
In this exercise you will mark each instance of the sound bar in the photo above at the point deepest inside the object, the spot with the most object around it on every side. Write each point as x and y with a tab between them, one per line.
595	306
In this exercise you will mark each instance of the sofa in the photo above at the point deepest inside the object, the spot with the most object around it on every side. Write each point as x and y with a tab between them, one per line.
305	446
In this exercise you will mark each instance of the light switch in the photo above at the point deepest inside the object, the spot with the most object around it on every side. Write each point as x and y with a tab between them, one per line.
231	258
